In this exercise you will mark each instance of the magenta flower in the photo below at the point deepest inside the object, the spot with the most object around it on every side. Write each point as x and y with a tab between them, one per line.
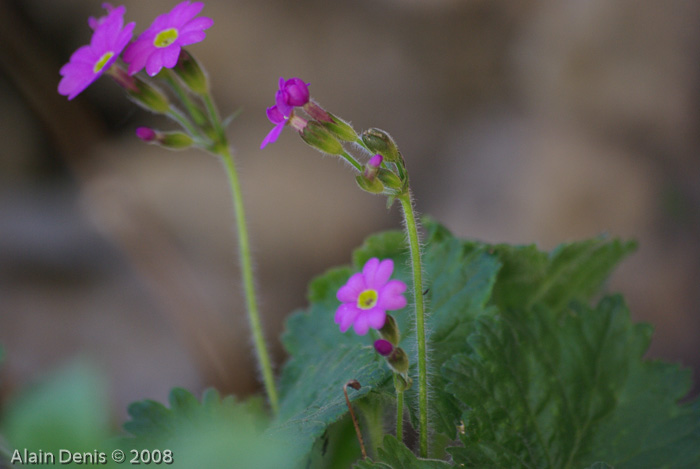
367	296
89	62
95	22
292	93
159	46
277	118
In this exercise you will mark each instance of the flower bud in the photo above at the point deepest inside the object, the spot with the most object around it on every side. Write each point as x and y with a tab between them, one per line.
141	92
402	383
383	347
190	72
316	112
398	361
379	141
170	140
390	331
373	186
146	134
372	167
317	136
340	129
389	179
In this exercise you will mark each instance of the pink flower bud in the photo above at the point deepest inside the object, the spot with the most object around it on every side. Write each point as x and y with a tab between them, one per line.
383	347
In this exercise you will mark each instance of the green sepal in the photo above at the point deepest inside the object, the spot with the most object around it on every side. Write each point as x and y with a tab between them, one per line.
191	73
318	137
373	186
340	128
379	141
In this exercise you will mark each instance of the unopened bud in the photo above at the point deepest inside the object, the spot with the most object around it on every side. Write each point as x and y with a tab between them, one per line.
317	136
372	167
389	179
141	92
340	129
390	330
190	72
316	112
398	361
379	141
383	347
373	186
402	382
170	140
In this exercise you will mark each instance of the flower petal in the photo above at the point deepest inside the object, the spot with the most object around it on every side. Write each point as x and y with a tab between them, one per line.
361	324
382	274
155	62
391	295
376	317
197	24
369	271
345	316
272	135
349	292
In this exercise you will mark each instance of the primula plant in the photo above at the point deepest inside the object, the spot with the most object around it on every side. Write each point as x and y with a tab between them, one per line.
423	352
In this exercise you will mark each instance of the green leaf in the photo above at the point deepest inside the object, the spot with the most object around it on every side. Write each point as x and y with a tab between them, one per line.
67	410
396	455
208	434
647	428
542	388
152	423
573	271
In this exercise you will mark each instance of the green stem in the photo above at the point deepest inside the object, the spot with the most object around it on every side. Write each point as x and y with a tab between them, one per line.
177	115
416	266
248	284
194	110
222	149
350	159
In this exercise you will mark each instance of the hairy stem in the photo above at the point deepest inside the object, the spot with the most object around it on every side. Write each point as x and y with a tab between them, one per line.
416	267
222	149
248	283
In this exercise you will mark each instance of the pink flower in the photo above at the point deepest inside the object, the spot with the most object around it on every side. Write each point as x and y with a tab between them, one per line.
95	22
292	93
159	46
368	295
277	118
89	62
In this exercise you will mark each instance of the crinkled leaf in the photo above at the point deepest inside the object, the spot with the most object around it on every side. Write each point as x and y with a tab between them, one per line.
572	271
542	388
395	455
210	433
647	428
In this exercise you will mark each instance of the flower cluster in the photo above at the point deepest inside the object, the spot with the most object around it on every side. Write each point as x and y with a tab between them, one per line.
157	47
328	133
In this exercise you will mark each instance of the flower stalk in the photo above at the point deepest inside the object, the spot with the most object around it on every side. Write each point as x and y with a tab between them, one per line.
417	270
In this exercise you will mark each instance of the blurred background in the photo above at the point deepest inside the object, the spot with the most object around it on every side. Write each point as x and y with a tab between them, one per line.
521	122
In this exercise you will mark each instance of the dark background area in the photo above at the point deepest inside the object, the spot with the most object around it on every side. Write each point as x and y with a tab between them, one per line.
521	122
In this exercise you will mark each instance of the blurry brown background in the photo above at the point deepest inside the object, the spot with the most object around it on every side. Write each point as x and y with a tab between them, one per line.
521	122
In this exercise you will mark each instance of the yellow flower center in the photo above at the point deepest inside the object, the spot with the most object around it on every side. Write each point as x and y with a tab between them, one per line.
367	299
100	64
165	37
